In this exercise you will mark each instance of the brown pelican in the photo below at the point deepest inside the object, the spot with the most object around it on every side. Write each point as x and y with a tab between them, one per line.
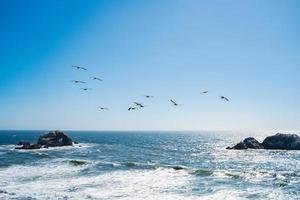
96	78
76	81
132	108
102	108
78	67
148	96
224	98
139	104
86	89
174	103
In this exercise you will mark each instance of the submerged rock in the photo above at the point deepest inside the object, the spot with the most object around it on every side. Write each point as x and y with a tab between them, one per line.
51	139
78	162
27	145
279	141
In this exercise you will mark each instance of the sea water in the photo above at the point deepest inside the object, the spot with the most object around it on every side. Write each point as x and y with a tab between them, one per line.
146	165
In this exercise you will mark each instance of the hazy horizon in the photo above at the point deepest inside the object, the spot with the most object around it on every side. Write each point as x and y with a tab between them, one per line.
247	51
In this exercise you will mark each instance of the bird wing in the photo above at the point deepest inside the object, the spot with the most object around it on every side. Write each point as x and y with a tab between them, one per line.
173	101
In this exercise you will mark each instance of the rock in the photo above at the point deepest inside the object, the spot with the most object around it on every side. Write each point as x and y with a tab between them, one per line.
282	142
240	145
279	141
177	167
252	143
27	145
78	162
55	139
248	143
51	139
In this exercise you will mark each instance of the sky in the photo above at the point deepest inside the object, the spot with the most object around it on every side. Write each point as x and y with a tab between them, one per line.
248	51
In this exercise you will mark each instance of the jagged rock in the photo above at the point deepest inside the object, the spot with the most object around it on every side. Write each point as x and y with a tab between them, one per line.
282	141
279	141
51	139
27	145
252	143
240	145
248	143
55	139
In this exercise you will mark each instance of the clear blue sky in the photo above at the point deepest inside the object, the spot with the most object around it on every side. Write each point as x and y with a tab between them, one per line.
247	50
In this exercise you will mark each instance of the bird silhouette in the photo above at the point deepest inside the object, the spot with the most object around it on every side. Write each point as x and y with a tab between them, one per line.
78	67
96	78
86	89
204	92
224	98
139	104
103	108
77	81
132	108
174	103
148	96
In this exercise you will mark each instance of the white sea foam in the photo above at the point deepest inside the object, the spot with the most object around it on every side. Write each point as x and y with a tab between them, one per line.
59	180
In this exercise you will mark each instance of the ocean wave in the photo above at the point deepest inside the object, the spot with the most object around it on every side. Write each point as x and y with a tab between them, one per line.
129	184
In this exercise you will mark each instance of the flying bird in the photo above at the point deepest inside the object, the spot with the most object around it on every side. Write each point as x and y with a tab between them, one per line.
78	67
148	96
86	89
204	92
224	98
132	108
139	104
96	78
174	103
103	108
77	81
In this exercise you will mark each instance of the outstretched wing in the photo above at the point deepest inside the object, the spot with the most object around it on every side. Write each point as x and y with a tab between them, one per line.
173	101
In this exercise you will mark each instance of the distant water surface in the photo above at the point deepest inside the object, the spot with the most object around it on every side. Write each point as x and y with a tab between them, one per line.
146	165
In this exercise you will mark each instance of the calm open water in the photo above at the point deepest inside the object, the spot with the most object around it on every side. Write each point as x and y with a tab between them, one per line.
146	165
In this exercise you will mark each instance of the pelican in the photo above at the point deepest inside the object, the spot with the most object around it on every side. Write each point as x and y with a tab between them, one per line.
86	89
148	96
78	67
224	98
174	103
139	104
96	78
132	108
77	81
102	108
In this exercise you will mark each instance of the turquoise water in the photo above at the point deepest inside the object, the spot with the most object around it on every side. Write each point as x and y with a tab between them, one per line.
146	165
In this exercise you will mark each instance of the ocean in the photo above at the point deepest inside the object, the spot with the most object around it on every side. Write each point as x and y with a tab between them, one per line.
146	165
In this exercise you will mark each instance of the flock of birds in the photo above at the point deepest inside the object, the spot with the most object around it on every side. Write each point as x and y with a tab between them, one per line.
136	105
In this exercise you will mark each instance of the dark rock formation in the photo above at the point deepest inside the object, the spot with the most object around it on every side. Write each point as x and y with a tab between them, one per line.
282	141
248	143
27	145
51	139
23	143
252	143
55	139
279	141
